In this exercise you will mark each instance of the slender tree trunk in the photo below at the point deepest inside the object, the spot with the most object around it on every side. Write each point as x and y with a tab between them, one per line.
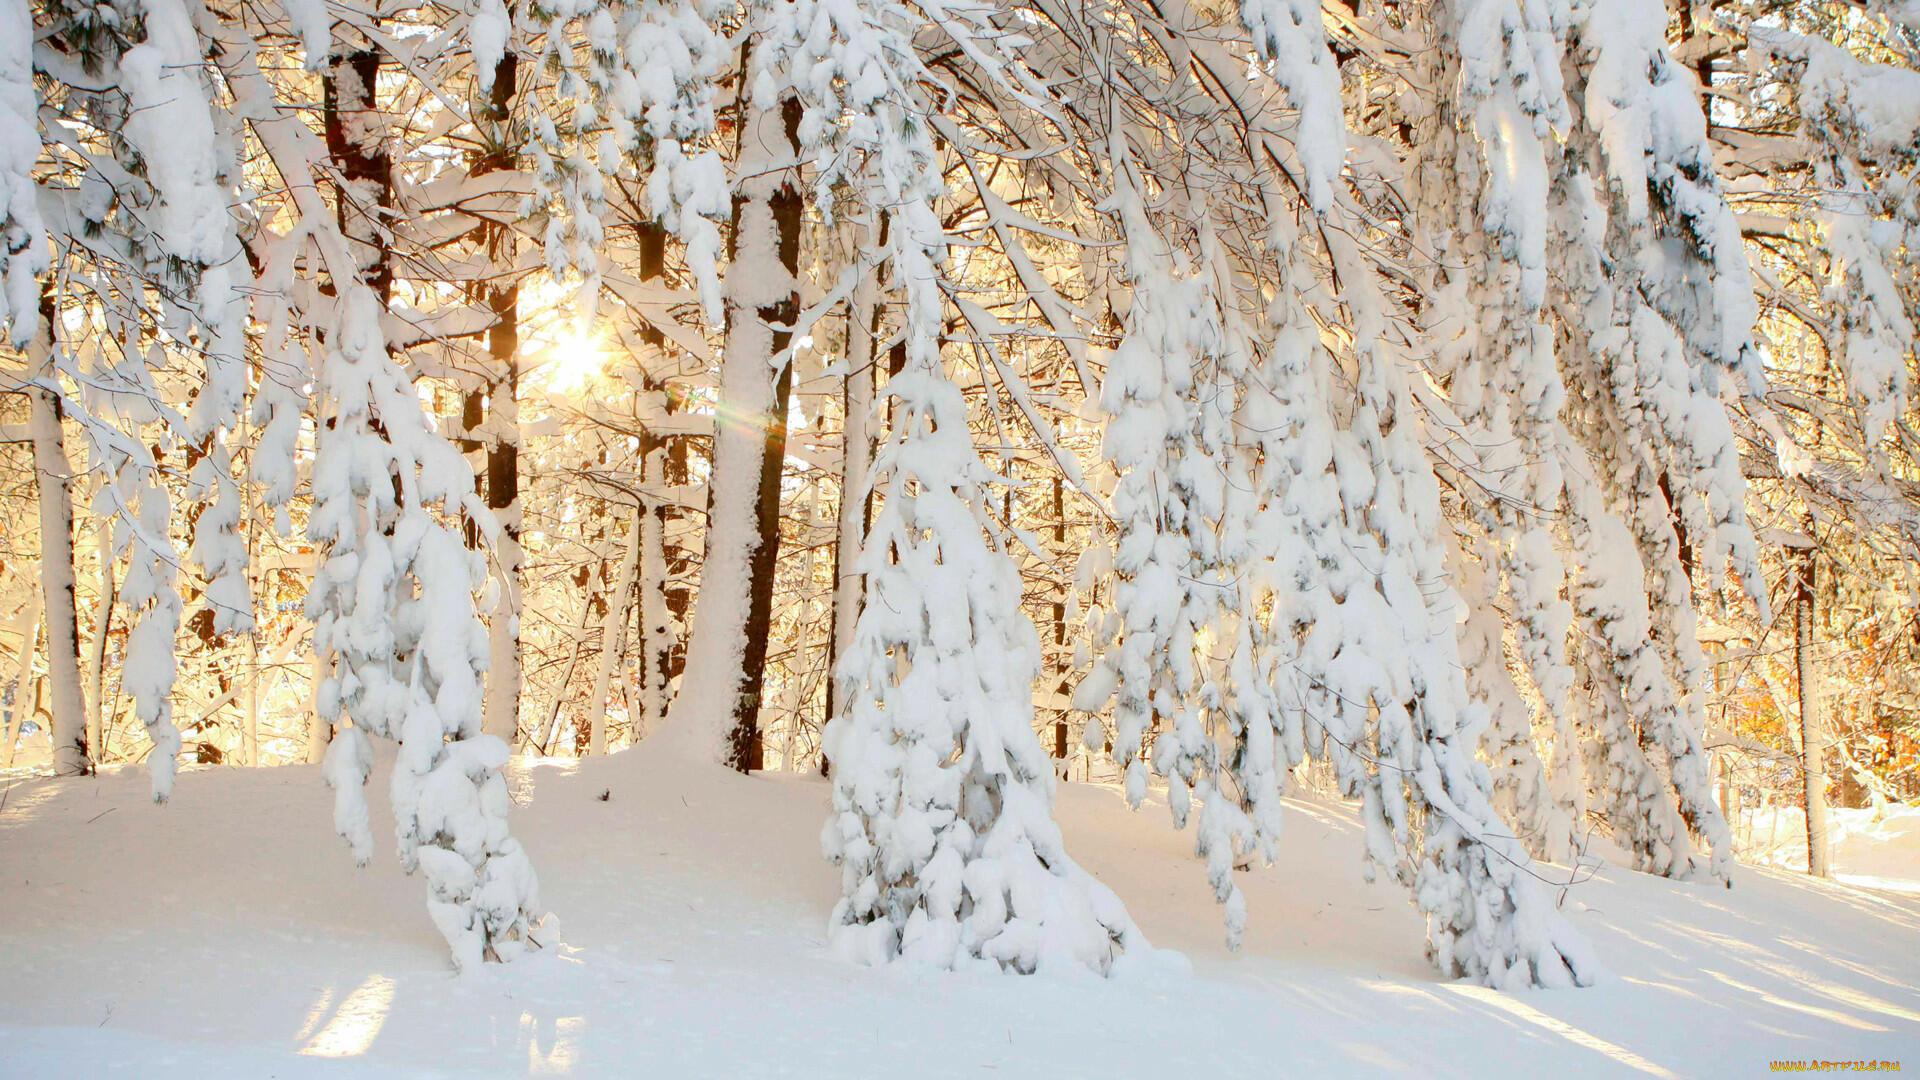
1723	761
802	634
503	498
319	732
102	630
727	653
856	463
656	614
250	732
503	421
1813	739
54	477
1060	740
613	627
249	523
676	580
555	719
20	705
662	459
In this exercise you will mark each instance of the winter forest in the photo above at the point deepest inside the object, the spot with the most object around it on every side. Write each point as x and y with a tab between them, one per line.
1110	472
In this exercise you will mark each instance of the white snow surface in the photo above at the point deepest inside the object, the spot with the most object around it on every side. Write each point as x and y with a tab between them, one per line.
1874	848
226	934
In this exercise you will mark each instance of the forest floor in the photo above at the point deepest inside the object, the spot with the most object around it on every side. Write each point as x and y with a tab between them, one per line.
228	934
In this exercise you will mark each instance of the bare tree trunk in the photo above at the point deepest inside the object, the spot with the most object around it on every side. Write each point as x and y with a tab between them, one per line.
856	462
1060	655
54	477
249	523
1813	739
250	730
726	656
319	732
613	626
1723	761
97	651
503	423
555	723
656	632
21	705
677	561
662	459
503	498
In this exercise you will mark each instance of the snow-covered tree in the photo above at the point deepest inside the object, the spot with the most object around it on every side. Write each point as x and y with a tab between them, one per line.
726	653
26	254
1646	338
1169	394
392	600
942	808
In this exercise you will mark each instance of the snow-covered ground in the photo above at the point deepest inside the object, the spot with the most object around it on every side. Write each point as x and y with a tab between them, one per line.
228	934
1878	849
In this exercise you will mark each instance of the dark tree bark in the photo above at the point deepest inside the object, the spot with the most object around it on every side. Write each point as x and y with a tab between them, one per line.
357	142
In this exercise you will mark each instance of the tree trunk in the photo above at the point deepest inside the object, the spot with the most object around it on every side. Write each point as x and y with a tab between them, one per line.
357	143
656	633
802	638
250	732
677	559
613	627
1854	794
662	459
503	498
727	653
555	723
54	478
502	427
856	461
20	704
97	651
319	732
1813	740
249	524
1060	656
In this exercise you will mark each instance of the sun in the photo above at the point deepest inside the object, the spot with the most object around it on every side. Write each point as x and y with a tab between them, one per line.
576	357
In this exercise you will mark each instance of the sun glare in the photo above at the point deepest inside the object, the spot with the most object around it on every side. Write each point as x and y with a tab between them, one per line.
355	1024
576	357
